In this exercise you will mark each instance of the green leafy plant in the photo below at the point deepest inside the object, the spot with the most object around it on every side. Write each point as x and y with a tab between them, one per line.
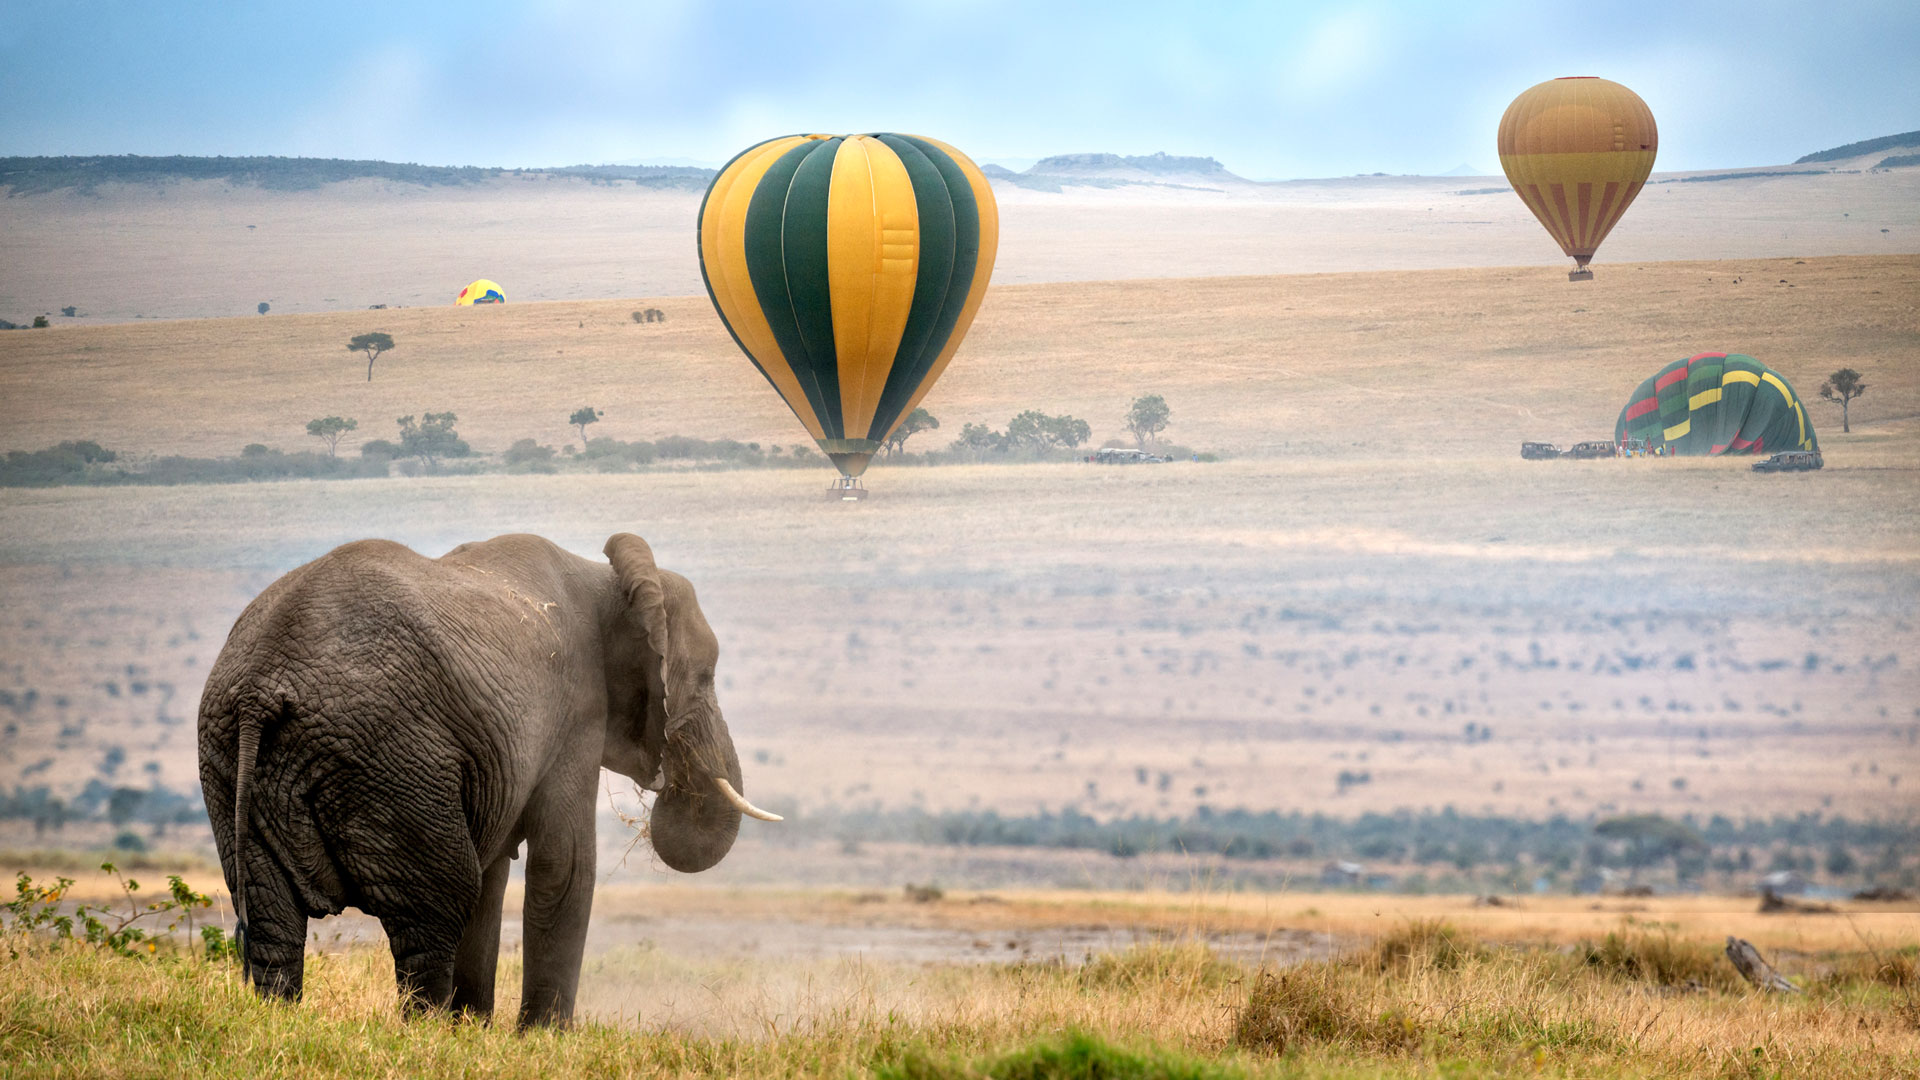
36	908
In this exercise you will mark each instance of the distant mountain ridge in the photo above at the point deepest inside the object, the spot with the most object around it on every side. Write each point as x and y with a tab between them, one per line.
39	175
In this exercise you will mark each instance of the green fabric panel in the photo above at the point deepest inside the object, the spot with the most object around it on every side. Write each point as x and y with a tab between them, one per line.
966	258
767	269
803	239
935	277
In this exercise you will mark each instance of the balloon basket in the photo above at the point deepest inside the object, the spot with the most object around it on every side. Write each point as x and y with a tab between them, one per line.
1582	274
847	489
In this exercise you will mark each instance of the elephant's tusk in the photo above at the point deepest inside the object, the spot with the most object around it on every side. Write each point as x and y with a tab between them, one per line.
740	802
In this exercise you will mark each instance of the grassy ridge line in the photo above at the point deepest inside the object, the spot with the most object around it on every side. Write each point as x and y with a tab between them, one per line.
1419	1000
39	175
1867	146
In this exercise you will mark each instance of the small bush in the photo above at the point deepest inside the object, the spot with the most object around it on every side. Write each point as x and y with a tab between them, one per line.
1311	1004
529	456
380	449
1423	943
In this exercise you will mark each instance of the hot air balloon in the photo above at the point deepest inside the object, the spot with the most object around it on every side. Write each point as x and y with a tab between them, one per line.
848	268
481	292
1577	150
1716	403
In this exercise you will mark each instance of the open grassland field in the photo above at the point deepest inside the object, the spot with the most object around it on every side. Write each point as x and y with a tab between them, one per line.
1380	366
753	984
1372	571
208	248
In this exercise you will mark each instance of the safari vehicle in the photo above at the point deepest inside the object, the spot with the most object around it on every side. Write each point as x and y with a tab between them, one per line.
1539	451
1596	449
1115	455
1791	461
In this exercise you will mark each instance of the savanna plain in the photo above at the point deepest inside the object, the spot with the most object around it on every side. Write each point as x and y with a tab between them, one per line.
1367	605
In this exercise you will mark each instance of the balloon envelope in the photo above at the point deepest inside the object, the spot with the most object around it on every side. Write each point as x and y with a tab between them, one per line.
1717	403
848	268
481	292
1577	151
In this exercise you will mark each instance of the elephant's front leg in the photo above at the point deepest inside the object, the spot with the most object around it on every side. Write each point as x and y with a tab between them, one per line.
560	863
477	960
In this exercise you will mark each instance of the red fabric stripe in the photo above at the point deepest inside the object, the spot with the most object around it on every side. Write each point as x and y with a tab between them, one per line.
1603	222
1678	374
1584	229
1642	407
1568	241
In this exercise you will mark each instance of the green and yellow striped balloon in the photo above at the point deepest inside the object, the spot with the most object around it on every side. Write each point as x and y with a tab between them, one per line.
848	268
1717	403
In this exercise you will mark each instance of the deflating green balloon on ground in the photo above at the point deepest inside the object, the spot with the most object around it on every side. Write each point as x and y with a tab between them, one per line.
848	268
1717	403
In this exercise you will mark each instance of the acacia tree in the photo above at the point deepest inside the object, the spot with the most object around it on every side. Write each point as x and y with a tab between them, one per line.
330	429
1147	417
1039	431
373	345
1652	839
582	416
1843	386
432	438
917	421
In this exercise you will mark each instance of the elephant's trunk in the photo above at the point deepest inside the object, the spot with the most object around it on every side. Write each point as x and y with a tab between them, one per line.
693	824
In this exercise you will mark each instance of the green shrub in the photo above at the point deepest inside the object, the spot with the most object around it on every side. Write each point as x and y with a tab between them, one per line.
1076	1056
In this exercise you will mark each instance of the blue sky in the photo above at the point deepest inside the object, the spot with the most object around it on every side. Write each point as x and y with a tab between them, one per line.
1271	89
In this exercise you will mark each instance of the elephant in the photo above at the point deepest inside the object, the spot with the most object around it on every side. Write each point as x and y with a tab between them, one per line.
383	731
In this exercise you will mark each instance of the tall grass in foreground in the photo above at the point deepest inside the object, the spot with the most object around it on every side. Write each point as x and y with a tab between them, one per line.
1423	1001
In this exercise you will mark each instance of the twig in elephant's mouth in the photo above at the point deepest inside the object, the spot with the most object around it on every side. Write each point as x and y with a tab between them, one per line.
639	825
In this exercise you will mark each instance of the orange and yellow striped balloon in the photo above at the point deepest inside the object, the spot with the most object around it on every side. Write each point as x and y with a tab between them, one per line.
1577	150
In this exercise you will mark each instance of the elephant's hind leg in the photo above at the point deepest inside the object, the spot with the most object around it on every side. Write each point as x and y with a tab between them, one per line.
476	963
414	868
275	939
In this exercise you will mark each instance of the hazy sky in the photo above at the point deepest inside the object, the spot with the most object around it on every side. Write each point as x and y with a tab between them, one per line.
1271	89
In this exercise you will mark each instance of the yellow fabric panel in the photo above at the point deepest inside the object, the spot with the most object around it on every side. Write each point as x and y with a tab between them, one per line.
1786	395
1704	397
723	249
1625	167
1678	430
982	270
477	290
873	258
1577	115
1740	376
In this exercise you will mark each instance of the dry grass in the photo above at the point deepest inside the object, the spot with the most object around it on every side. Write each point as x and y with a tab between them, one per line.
1459	363
1447	1002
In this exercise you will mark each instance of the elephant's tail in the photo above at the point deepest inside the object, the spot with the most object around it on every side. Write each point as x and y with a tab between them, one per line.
251	719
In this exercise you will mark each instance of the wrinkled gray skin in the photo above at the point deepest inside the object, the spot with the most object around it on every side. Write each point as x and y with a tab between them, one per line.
417	719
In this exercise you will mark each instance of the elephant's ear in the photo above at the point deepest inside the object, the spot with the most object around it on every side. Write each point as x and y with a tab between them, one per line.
639	578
